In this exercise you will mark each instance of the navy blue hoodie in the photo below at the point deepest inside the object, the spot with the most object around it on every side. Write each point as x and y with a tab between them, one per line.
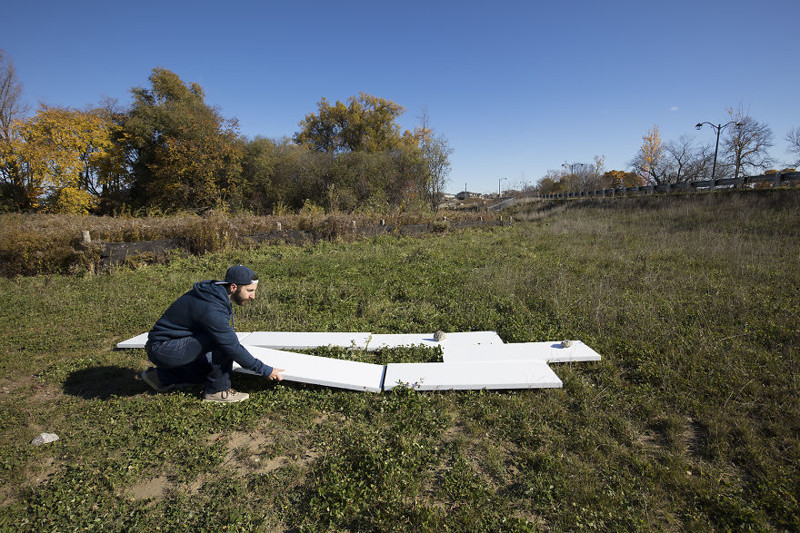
206	309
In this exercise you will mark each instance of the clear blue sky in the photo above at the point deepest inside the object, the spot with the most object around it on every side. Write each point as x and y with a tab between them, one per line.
517	87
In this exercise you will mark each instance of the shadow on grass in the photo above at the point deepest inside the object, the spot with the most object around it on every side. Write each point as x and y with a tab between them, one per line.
102	382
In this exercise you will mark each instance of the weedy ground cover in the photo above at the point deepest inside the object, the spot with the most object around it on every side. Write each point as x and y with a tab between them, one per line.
690	422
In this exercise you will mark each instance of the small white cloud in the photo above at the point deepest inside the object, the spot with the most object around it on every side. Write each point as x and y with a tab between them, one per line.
673	108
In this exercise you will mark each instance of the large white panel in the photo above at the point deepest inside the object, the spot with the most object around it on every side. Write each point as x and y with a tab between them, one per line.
474	375
304	368
300	340
472	360
577	353
135	342
551	352
456	340
140	340
469	340
396	340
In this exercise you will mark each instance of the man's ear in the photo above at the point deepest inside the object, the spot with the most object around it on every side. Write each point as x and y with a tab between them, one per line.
232	288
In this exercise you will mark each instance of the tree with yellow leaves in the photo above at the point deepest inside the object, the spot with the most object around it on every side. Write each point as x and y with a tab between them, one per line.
62	152
648	164
365	124
615	179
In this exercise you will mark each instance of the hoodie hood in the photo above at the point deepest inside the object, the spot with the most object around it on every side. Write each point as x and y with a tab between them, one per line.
209	291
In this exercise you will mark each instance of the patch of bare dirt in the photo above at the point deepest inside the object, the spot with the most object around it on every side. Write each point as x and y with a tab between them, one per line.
648	441
538	523
11	384
152	489
453	433
250	453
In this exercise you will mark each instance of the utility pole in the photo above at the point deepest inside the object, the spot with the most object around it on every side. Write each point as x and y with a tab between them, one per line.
719	128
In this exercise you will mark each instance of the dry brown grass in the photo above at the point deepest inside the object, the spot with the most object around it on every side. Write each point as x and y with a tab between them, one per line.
32	244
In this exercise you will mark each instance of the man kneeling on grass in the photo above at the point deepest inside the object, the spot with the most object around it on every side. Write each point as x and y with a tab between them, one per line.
199	322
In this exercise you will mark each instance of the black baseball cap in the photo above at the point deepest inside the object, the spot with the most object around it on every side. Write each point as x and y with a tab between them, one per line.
240	275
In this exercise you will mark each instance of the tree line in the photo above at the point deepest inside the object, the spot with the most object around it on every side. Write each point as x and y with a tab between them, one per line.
743	150
170	151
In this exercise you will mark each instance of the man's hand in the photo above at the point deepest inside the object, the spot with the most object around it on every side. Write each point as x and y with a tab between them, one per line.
276	375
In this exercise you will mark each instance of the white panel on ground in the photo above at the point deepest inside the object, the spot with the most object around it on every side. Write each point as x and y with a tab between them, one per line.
451	340
396	340
551	352
477	340
475	375
140	340
300	340
472	360
311	369
136	342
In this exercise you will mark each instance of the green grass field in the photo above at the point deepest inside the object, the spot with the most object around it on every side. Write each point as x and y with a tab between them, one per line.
690	422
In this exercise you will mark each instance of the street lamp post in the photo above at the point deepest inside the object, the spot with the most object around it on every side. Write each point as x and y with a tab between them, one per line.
719	128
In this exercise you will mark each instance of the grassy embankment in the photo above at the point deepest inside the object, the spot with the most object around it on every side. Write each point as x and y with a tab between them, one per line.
690	422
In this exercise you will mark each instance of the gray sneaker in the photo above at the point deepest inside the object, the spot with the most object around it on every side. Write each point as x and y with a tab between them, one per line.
150	376
226	396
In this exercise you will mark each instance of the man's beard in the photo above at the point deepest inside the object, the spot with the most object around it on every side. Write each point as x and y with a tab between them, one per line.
238	298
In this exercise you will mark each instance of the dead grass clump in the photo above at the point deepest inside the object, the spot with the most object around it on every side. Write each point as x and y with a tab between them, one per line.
211	234
337	227
26	252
